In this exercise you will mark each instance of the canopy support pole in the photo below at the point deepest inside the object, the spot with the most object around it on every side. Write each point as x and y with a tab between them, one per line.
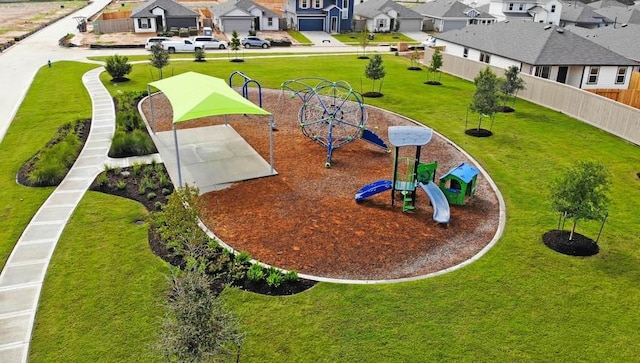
175	139
153	120
271	142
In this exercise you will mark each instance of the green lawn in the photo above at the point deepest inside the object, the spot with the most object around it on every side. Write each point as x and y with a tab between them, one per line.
378	38
56	97
520	302
299	37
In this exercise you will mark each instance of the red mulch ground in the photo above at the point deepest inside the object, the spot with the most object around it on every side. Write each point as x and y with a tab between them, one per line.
306	219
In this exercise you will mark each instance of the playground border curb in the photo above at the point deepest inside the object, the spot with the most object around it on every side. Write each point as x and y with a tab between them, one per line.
501	223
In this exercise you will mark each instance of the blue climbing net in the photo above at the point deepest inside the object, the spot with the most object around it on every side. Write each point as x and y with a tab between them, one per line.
332	113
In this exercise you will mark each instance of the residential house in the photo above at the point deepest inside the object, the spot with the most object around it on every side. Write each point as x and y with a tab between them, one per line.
622	39
160	15
620	15
608	3
576	13
332	16
386	16
539	11
243	16
543	50
445	15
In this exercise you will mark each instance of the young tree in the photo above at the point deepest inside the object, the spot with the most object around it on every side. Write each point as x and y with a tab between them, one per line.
363	41
511	84
415	60
199	55
117	67
234	45
375	71
159	57
434	66
582	193
197	326
485	99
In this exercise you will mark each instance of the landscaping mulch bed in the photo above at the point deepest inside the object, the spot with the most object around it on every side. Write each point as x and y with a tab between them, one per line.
580	245
306	218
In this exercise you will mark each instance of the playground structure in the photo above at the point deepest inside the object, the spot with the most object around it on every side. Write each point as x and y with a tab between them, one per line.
459	183
332	113
408	174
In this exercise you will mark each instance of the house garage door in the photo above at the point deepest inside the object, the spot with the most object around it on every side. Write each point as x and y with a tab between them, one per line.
314	24
239	25
410	25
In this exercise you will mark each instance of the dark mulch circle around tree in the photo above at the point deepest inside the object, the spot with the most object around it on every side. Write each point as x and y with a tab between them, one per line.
579	246
505	109
433	83
363	57
372	94
120	80
478	132
414	68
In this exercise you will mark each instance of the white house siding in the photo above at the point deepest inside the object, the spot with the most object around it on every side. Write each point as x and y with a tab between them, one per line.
264	20
151	29
606	78
376	23
574	76
160	12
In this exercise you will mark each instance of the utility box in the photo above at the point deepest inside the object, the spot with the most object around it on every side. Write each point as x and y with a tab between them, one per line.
207	31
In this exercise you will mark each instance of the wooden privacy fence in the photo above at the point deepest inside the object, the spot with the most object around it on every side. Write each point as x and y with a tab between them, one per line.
601	112
115	22
629	96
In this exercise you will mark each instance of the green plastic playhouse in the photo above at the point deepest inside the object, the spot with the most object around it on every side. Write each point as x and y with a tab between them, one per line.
459	183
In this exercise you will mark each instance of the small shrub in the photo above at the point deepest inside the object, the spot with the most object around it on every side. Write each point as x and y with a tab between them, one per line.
142	189
291	276
117	170
275	277
121	185
102	179
151	195
199	55
243	258
158	205
255	273
136	169
166	191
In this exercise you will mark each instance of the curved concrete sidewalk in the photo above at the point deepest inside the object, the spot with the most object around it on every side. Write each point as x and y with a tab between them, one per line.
22	277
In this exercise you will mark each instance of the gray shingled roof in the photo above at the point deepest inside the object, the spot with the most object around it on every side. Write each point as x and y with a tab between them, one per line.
580	14
172	8
448	9
371	8
533	43
621	15
620	39
606	3
246	5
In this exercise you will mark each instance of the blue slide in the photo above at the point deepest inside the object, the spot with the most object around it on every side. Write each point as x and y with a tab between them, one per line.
374	188
441	212
370	136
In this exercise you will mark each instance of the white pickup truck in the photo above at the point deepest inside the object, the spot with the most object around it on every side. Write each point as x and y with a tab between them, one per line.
181	46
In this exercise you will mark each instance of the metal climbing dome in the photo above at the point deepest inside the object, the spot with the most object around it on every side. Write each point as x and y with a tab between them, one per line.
332	113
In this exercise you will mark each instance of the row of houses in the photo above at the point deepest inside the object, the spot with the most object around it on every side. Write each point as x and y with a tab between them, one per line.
335	16
540	40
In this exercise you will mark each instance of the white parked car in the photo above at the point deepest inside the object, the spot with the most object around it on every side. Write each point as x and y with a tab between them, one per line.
430	42
208	42
181	46
154	40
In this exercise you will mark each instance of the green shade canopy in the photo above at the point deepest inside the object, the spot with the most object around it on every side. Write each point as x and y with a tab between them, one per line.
193	95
